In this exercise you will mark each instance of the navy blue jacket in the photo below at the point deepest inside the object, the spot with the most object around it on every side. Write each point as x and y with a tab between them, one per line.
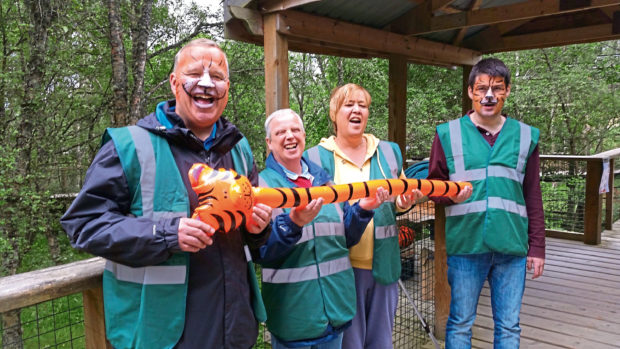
219	311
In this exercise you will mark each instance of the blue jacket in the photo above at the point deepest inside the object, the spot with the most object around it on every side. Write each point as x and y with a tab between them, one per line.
98	222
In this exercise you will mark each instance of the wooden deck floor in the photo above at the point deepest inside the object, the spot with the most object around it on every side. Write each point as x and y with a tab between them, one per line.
575	304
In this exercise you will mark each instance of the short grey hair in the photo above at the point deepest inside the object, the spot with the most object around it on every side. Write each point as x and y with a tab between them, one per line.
281	112
200	42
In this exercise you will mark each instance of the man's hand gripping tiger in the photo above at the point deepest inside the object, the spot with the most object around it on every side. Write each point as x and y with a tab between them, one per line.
226	198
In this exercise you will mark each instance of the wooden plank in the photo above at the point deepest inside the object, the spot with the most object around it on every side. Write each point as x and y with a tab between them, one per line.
609	197
94	319
532	324
540	40
397	102
572	267
566	235
586	248
588	281
564	298
22	290
593	204
491	15
580	272
577	286
276	66
316	28
604	266
562	288
442	288
281	5
613	259
575	315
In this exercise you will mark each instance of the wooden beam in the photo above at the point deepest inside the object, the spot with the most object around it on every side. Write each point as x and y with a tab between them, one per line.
276	66
397	102
268	6
442	288
458	38
94	319
496	43
593	205
301	25
492	15
252	20
437	5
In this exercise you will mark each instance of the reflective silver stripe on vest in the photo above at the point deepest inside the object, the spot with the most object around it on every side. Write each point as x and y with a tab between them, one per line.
151	275
507	205
493	171
321	229
457	147
146	157
384	232
390	157
313	155
481	206
524	146
290	275
248	256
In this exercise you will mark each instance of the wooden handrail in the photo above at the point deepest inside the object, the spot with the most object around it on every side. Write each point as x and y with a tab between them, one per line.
22	290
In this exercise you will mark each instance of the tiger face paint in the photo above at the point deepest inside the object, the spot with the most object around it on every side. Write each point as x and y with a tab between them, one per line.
488	95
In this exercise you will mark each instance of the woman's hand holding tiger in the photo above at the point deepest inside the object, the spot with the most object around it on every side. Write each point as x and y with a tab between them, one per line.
370	203
261	216
405	201
194	235
304	215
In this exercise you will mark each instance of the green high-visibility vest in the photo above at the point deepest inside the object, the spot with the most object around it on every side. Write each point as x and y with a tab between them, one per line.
494	218
314	285
133	296
385	163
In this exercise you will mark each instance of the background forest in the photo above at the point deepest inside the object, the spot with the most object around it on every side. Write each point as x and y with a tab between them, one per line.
71	68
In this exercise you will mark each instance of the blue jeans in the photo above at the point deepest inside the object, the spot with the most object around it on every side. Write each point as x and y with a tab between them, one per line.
466	276
335	343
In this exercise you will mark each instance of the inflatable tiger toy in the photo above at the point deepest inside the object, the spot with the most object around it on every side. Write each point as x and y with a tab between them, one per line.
226	198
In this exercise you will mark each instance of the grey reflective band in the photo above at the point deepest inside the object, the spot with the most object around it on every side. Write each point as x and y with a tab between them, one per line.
146	157
524	146
384	232
313	155
157	215
261	182
456	144
466	208
493	171
311	272
151	275
507	205
245	163
276	211
481	206
321	229
248	256
390	157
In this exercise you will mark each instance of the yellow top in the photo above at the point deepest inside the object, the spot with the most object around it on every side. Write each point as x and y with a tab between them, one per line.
345	171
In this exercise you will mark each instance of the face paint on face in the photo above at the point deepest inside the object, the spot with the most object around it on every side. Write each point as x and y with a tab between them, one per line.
488	95
200	85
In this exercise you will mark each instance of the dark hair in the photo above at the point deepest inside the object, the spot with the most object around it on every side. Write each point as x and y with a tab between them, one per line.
491	67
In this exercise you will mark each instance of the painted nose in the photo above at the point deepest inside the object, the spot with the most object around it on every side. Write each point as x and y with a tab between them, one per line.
205	81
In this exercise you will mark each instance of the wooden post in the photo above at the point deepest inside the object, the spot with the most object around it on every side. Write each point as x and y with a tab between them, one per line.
465	101
397	120
594	203
609	198
94	320
276	66
442	289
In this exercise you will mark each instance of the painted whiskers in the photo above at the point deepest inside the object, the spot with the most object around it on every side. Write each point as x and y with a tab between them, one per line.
226	198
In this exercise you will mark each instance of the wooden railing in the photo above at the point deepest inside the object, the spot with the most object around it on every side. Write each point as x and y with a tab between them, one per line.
591	235
26	289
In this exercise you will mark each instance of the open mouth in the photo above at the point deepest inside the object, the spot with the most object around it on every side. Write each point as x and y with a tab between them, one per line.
355	120
203	100
290	146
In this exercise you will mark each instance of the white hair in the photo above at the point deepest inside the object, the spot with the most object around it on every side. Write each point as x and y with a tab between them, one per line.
281	112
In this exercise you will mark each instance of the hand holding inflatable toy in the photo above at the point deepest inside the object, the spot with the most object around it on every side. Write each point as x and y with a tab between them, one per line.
226	198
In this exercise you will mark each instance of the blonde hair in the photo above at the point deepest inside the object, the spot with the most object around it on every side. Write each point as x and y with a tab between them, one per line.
339	95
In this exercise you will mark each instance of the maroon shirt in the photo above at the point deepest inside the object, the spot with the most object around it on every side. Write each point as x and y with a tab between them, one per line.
438	169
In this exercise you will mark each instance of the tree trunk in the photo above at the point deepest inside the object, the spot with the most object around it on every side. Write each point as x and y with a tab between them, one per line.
120	115
140	36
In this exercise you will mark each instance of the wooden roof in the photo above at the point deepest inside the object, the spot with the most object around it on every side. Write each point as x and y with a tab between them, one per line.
438	32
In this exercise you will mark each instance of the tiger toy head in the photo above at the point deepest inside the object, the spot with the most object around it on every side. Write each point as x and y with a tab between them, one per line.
225	198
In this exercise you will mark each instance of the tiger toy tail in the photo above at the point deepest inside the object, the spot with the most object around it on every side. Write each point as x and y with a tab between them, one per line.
226	198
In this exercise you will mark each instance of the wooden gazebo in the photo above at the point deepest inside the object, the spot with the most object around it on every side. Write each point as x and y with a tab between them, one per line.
435	32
